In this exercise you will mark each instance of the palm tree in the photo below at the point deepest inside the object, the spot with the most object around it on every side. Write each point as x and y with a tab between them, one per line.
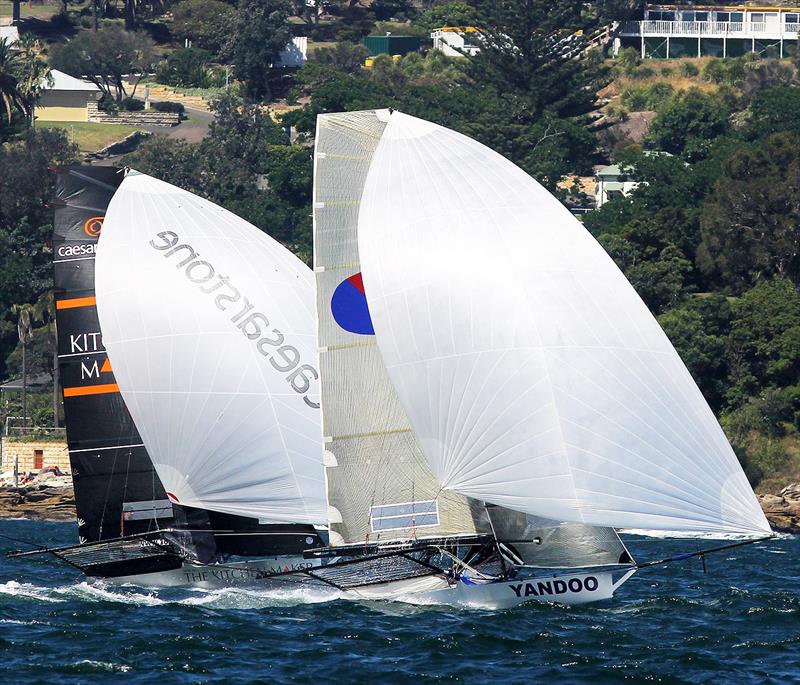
12	95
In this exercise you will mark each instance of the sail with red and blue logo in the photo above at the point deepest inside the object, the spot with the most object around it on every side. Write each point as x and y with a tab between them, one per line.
349	306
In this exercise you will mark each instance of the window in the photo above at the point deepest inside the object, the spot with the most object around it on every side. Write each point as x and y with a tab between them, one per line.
660	15
730	17
694	16
792	18
404	515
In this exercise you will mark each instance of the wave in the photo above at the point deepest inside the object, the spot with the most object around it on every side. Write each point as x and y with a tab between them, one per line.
680	535
221	598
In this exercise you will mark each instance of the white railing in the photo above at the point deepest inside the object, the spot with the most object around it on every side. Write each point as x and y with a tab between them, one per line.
708	28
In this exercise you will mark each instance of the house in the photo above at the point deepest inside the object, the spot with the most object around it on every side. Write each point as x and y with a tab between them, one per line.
456	41
65	98
612	181
294	54
9	34
712	30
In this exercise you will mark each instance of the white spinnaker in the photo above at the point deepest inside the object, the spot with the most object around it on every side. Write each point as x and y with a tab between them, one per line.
531	372
220	400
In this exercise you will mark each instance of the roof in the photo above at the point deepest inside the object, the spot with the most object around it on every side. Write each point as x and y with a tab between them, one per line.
612	186
611	170
9	33
62	81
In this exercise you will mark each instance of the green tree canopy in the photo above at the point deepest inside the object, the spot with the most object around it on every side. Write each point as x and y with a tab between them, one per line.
108	58
257	35
774	111
751	223
688	121
207	23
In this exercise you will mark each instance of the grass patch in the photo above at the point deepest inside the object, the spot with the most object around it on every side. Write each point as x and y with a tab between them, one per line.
88	136
39	10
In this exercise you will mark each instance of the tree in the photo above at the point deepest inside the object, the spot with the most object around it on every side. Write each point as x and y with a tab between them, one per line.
347	57
205	22
11	90
257	36
26	187
774	111
751	223
764	340
456	13
110	58
698	328
689	120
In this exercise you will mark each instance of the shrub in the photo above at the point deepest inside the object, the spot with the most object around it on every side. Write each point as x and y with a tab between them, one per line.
185	67
132	105
651	97
643	73
689	69
627	60
168	107
107	104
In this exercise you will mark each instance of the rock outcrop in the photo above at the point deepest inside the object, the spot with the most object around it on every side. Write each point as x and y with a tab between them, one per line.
38	501
783	509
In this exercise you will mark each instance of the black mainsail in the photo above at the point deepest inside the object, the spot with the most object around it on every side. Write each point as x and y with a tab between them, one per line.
117	491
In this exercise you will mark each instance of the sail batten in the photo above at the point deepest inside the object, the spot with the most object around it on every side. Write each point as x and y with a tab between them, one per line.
532	374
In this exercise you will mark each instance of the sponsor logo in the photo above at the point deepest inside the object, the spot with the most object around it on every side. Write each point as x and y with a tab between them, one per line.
76	250
543	588
255	326
93	226
251	572
349	306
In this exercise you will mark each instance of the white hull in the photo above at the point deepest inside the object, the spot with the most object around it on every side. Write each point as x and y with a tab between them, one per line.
561	588
235	574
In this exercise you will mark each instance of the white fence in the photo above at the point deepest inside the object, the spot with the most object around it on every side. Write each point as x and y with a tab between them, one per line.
748	29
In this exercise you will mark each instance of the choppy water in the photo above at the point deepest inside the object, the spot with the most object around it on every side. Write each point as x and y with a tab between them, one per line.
740	623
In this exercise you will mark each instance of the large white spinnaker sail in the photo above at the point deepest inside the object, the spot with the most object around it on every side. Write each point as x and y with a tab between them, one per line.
532	374
210	327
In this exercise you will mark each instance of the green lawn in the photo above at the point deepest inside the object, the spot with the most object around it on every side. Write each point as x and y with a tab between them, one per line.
90	137
40	10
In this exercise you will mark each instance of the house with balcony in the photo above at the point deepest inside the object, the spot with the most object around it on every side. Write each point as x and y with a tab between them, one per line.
712	30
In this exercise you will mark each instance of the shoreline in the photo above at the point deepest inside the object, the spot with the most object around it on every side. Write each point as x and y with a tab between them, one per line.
56	502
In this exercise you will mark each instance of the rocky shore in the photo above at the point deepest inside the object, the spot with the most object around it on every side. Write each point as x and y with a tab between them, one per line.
783	509
38	501
56	502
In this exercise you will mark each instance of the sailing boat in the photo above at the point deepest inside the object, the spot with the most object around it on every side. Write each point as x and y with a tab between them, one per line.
497	400
186	342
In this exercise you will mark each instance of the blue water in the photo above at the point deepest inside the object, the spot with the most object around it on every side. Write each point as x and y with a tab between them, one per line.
739	623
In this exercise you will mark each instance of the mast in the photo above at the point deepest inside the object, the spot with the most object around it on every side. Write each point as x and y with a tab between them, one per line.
379	485
117	491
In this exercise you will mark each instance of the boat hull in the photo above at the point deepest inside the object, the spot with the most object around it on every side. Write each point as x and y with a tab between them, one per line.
249	573
567	589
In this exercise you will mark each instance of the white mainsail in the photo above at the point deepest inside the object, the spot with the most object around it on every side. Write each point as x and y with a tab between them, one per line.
210	327
532	374
379	484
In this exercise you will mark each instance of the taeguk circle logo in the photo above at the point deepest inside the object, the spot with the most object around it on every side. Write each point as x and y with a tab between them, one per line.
349	306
